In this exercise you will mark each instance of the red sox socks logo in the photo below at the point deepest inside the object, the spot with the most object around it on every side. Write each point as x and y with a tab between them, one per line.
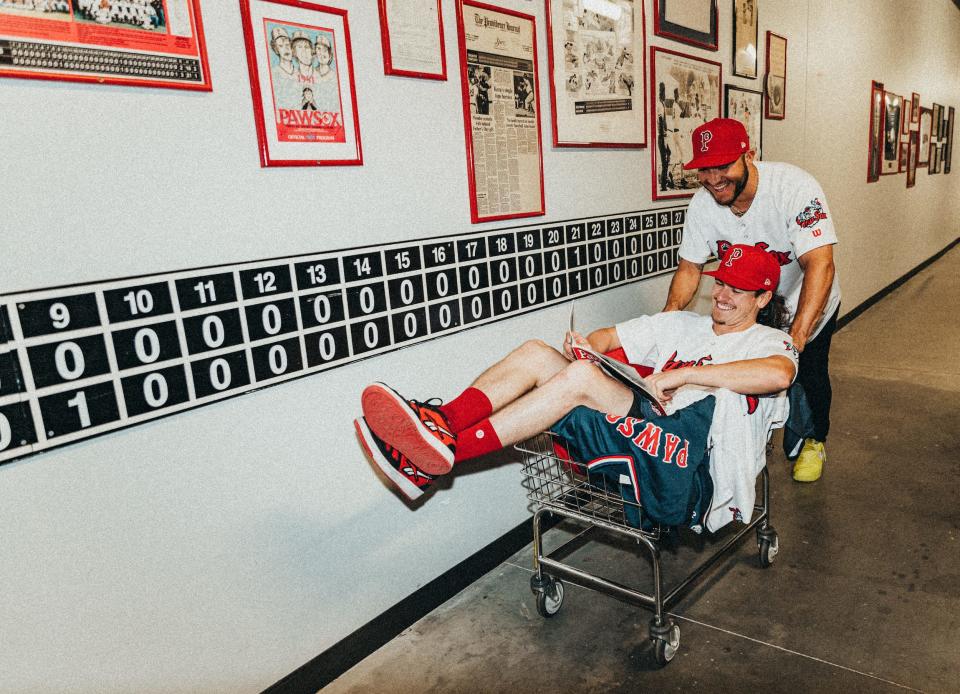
811	214
782	257
705	138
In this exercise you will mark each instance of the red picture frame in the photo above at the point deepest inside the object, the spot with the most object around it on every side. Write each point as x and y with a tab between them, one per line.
708	40
389	68
470	104
915	113
775	84
913	145
311	134
923	154
638	77
684	110
76	45
892	118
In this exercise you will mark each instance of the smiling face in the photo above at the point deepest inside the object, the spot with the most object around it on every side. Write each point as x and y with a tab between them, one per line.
735	309
303	50
725	183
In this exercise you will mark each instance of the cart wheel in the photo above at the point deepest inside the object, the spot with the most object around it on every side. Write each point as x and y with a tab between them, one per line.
550	599
666	647
769	546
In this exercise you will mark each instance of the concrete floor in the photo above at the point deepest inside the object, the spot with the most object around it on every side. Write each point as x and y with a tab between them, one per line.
864	595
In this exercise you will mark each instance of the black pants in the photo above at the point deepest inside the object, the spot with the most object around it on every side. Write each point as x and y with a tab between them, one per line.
815	378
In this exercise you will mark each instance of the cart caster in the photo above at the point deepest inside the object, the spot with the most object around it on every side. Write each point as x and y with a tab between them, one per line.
769	544
666	640
550	597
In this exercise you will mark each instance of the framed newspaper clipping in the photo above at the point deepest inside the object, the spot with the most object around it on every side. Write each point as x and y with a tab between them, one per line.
926	124
597	85
689	21
776	101
686	95
146	43
745	38
301	78
501	111
412	35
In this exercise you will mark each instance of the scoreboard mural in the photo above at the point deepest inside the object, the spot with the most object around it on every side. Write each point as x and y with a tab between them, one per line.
84	360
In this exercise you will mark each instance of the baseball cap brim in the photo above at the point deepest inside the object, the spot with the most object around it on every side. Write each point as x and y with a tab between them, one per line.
710	160
734	281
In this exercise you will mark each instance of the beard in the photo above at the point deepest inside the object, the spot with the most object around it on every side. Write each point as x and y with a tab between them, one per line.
739	185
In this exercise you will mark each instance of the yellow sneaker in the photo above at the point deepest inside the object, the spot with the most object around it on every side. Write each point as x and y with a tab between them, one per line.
809	465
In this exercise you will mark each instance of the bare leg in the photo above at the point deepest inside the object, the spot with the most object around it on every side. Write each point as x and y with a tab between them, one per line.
578	383
528	366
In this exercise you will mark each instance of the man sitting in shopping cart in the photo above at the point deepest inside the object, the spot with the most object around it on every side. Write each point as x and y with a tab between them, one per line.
713	375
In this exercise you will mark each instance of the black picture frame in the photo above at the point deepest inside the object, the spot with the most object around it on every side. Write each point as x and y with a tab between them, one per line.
662	26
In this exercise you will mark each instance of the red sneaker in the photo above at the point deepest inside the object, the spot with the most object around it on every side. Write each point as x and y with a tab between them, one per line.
404	475
418	430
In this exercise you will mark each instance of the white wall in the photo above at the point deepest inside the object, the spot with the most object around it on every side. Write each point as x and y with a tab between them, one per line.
222	548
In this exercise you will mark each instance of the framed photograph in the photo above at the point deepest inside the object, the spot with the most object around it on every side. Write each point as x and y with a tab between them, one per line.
776	79
892	114
926	124
411	32
597	66
689	21
875	143
905	119
141	43
948	154
745	105
687	95
904	148
915	113
933	167
913	146
745	38
301	78
501	111
936	118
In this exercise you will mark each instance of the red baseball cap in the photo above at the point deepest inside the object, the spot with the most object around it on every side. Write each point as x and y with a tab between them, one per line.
718	142
749	268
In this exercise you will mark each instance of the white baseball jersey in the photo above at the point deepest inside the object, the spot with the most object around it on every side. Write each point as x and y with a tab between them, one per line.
741	423
788	217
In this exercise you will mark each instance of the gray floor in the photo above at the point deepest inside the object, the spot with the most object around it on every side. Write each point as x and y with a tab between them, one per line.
864	595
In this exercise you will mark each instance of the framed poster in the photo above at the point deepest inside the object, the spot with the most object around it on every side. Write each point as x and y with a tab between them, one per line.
904	152
926	124
913	148
145	43
948	154
936	118
915	113
933	166
597	68
687	93
875	132
892	114
411	32
776	102
689	21
501	111
745	105
745	38
301	77
906	118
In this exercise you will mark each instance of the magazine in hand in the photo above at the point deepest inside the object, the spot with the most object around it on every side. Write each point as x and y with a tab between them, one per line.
622	372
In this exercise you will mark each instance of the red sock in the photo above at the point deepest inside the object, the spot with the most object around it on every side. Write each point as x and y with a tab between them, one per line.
477	440
467	409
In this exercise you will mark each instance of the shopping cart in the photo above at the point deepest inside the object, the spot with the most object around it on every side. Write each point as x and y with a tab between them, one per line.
560	486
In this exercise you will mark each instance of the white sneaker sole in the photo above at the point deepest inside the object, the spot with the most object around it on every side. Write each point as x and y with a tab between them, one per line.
399	480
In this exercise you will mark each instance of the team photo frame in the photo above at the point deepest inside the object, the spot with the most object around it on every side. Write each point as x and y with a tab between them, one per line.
597	63
686	94
300	65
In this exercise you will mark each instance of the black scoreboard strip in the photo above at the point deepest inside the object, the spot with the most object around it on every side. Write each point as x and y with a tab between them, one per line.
80	361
